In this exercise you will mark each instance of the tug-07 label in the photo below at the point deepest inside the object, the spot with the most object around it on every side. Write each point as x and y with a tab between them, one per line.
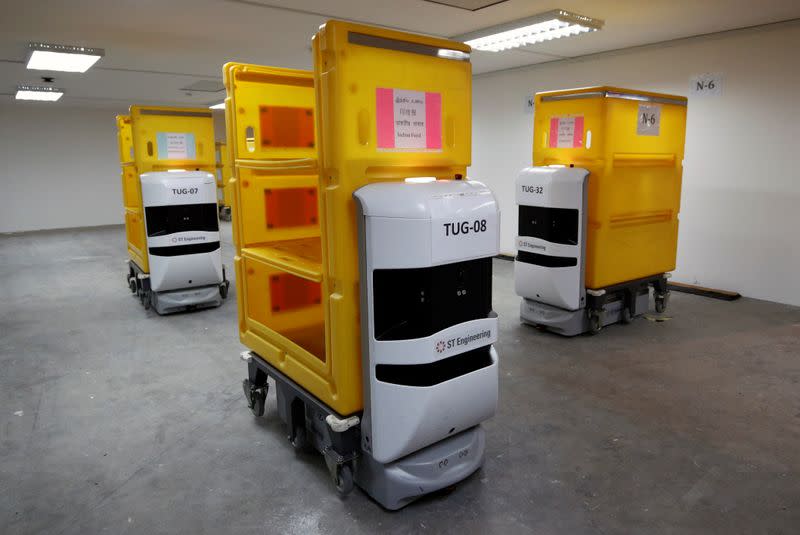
185	191
464	227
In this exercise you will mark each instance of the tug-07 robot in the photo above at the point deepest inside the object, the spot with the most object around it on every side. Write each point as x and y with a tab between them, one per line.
183	243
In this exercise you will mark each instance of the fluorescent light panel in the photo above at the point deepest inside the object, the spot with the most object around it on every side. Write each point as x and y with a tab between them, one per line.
220	106
545	27
32	92
64	58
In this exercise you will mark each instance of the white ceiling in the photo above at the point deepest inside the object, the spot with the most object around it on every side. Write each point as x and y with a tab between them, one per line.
155	47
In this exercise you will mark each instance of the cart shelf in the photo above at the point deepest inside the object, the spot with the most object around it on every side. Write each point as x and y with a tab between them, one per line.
302	257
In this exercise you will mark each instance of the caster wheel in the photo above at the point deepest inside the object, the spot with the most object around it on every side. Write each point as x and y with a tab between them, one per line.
626	317
132	285
144	297
256	397
595	324
300	439
661	303
343	479
223	290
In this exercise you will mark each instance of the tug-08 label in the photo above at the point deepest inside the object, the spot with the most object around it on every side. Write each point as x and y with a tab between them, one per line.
464	227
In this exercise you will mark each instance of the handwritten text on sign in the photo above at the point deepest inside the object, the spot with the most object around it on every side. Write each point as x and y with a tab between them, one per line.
175	146
408	119
566	132
648	122
708	84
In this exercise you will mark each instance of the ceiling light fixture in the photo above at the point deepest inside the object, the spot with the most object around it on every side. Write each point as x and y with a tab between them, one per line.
220	106
65	58
530	31
41	93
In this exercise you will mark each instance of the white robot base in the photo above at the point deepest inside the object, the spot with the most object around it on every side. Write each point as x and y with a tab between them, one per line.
575	322
311	424
180	300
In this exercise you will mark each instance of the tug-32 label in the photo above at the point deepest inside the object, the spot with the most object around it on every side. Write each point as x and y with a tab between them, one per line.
537	190
464	227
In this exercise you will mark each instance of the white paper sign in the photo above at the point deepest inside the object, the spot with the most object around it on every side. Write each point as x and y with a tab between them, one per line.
528	104
649	120
708	84
566	132
175	146
409	119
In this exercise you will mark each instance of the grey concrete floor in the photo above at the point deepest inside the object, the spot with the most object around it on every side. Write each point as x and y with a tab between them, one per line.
115	420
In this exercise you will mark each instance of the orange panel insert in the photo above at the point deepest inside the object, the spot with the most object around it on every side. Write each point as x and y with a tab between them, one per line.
290	207
284	126
289	292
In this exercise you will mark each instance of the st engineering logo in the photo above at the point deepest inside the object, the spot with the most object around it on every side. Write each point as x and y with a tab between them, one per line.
460	341
525	244
188	239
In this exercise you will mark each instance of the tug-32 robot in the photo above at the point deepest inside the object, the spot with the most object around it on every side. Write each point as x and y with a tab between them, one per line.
598	214
171	218
377	325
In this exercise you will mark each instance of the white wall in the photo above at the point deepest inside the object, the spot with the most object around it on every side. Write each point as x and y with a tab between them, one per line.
59	167
740	209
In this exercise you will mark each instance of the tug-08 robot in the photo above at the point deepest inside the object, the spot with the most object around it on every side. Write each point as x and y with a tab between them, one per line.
183	243
401	272
429	366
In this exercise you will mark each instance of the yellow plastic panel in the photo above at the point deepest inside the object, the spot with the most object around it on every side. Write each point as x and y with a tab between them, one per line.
125	139
135	233
286	311
364	76
632	142
269	119
271	116
224	173
173	138
227	194
261	215
131	187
